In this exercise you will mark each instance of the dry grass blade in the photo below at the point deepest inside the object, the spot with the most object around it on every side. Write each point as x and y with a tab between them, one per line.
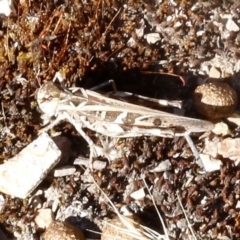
155	206
130	232
189	225
133	229
160	217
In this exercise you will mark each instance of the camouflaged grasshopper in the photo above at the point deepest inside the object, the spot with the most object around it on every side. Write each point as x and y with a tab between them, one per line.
111	117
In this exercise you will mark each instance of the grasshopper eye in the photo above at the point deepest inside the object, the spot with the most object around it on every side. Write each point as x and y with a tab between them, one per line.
48	106
46	101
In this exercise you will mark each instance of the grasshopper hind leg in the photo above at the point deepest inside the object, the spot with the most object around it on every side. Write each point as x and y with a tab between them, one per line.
194	150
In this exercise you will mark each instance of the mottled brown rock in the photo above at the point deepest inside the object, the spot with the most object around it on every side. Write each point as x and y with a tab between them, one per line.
113	232
215	100
62	231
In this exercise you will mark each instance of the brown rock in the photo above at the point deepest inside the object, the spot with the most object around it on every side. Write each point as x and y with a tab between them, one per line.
215	100
115	229
62	231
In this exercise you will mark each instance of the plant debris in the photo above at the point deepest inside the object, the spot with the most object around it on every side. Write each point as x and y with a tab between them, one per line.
215	100
161	49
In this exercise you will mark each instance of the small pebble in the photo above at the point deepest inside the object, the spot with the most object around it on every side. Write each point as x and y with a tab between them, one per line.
62	231
64	171
44	218
229	147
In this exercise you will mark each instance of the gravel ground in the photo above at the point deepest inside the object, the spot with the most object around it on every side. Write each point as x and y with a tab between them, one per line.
158	49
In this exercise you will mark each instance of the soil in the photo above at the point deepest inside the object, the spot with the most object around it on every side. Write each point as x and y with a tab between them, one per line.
91	42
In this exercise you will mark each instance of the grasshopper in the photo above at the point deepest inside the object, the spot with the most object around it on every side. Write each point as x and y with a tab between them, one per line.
111	117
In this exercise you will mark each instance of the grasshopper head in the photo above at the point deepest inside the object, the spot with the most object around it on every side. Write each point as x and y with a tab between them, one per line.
48	97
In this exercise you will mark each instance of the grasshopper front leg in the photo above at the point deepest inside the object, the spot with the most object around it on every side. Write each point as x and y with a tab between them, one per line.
64	116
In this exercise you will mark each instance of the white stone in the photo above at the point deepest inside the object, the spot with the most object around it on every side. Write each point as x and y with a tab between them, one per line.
200	32
131	42
5	7
169	18
64	171
20	175
177	24
2	203
152	37
221	128
139	194
210	164
214	73
162	166
97	164
204	200
189	23
238	205
232	26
